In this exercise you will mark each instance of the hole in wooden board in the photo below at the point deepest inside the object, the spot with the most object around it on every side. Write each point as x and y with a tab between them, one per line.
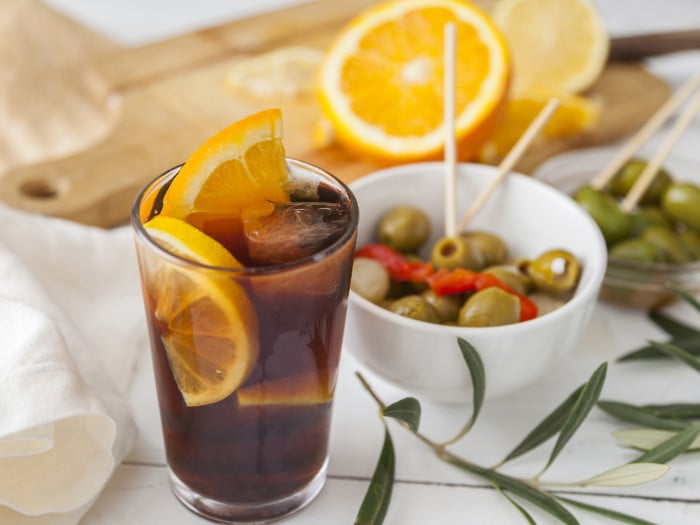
42	189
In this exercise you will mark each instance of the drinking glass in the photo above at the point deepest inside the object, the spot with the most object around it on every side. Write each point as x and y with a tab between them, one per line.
261	452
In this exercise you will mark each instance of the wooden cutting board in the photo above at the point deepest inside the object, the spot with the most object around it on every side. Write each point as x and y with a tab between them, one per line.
129	114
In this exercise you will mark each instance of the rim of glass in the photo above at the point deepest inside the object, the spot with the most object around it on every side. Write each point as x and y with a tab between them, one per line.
143	234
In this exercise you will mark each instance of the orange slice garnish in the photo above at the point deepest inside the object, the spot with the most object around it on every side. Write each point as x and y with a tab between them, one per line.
210	332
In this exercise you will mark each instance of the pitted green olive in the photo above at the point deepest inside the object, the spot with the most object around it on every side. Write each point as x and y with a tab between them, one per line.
639	250
647	217
447	306
681	202
404	228
511	276
667	242
456	252
490	307
415	307
614	224
370	279
555	272
628	174
492	248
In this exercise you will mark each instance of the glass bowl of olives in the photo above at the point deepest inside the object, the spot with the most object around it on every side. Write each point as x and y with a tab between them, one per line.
650	248
519	284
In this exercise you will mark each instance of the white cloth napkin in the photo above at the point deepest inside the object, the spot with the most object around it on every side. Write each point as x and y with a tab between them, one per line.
71	325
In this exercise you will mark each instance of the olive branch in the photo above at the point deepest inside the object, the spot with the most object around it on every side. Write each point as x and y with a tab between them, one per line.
666	432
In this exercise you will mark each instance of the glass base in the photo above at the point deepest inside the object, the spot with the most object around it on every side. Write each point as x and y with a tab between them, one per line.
250	514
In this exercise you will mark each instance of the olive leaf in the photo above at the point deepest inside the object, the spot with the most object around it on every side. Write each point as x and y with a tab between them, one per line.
548	427
628	475
672	447
648	438
612	514
640	415
476	370
686	296
376	501
682	335
407	410
539	498
522	510
675	410
584	403
677	352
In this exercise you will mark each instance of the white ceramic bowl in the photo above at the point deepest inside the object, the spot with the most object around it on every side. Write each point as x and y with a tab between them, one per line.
423	359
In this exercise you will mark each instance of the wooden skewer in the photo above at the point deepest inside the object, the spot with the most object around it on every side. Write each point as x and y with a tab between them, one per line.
649	173
450	159
509	161
646	131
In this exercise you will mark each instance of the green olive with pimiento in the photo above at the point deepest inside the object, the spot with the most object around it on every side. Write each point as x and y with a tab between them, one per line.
404	228
639	250
667	242
493	249
614	224
370	279
415	307
555	272
456	252
447	305
490	307
681	202
627	175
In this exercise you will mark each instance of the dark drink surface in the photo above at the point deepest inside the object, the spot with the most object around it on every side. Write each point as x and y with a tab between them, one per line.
269	438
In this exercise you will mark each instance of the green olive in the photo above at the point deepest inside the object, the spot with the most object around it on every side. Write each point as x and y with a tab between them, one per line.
681	202
370	279
646	217
512	276
456	252
614	224
640	250
627	175
490	307
415	307
691	242
667	242
404	228
492	248
555	272
447	306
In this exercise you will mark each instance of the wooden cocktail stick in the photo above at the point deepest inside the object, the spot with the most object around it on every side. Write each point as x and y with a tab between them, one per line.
509	161
647	176
646	131
450	159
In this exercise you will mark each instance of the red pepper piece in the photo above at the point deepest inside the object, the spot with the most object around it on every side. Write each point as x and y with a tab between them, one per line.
455	281
398	267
